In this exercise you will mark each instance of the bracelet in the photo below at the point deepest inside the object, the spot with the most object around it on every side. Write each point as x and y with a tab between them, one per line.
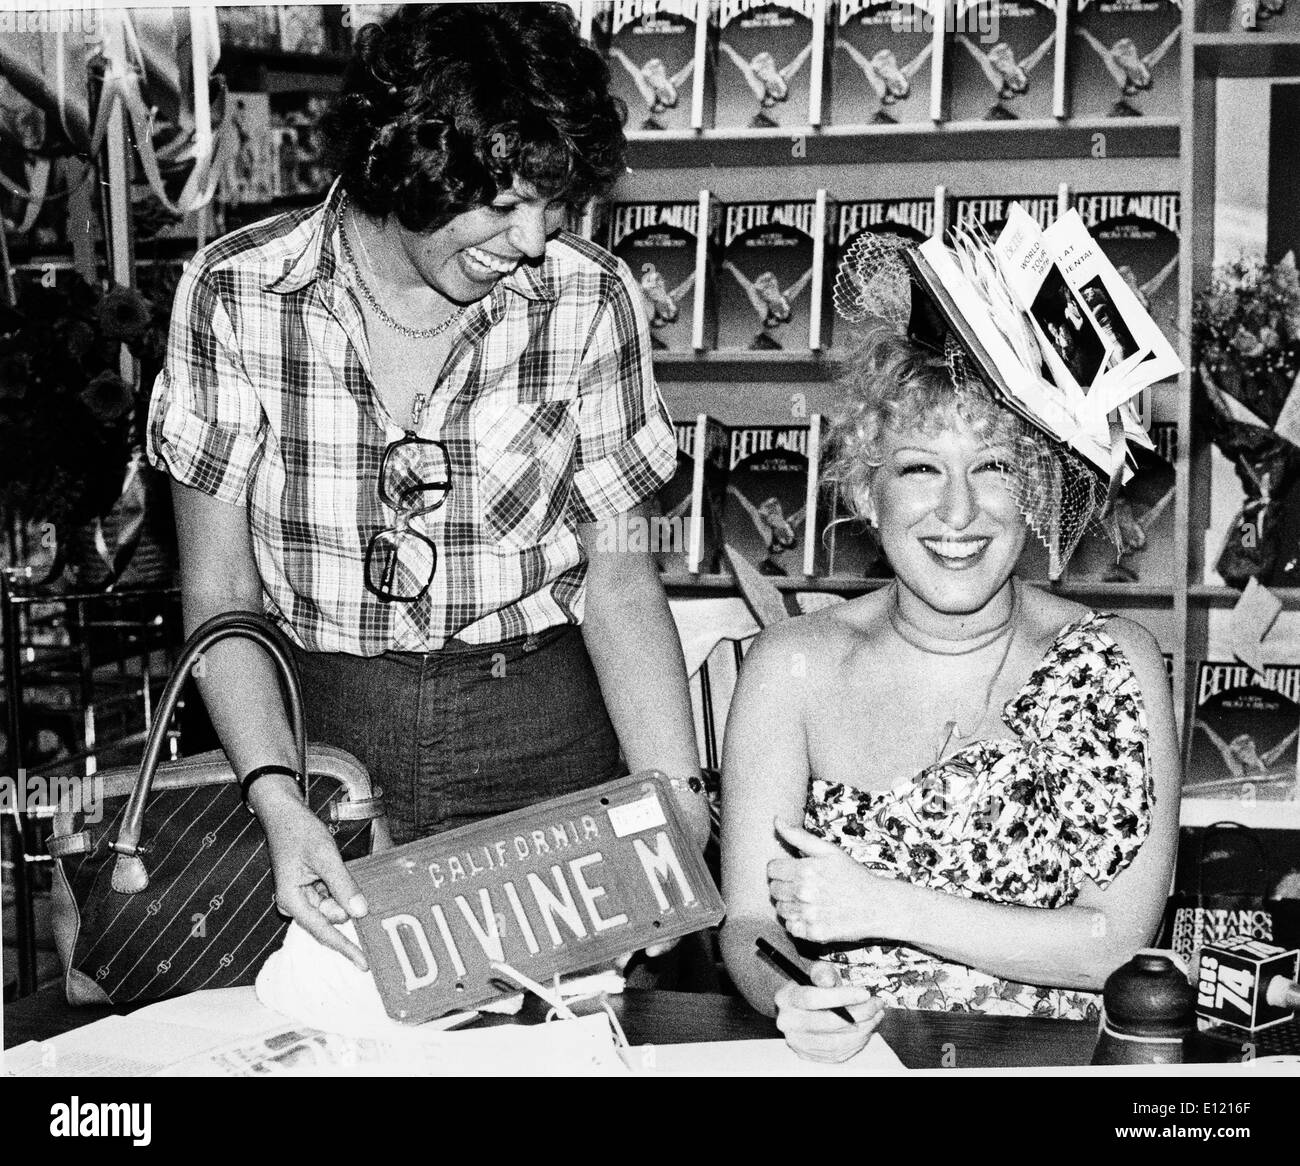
246	782
678	784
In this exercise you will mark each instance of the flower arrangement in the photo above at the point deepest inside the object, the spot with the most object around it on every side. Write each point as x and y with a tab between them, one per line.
1246	332
68	420
1246	350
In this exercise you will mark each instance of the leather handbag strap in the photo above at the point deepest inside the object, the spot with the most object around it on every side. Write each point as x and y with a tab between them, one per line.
129	874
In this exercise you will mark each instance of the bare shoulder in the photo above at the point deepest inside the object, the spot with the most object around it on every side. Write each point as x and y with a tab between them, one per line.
1138	644
827	637
1044	615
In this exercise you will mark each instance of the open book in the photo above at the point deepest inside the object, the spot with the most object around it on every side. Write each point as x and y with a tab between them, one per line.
1053	327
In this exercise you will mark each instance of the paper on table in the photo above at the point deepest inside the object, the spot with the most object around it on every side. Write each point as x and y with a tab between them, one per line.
570	1048
277	1048
757	1058
96	1050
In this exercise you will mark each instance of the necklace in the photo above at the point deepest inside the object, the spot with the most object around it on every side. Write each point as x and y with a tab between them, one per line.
910	636
950	728
376	306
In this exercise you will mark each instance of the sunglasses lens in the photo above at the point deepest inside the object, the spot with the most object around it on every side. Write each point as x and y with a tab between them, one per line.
415	475
400	565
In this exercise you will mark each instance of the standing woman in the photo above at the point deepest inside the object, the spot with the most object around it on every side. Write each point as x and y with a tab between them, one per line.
412	425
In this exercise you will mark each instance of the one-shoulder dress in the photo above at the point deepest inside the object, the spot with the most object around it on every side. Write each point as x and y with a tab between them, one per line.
1020	818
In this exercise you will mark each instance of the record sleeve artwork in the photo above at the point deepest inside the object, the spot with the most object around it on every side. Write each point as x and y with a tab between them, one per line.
1002	59
764	62
881	67
1125	58
659	243
651	49
767	493
765	276
1245	732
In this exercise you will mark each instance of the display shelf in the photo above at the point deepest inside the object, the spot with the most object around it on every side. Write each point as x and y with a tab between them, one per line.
1257	814
1246	54
1211	595
942	142
742	367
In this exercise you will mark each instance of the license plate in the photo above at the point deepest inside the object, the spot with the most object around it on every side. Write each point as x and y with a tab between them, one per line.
553	888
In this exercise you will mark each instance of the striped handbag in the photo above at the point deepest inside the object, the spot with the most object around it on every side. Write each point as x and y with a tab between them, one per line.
164	881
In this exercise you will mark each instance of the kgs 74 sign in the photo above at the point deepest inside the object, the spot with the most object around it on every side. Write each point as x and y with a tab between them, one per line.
550	889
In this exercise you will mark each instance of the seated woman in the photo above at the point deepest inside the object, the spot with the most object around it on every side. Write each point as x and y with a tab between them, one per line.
957	792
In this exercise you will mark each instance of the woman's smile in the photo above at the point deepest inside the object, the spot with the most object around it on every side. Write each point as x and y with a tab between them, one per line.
486	265
957	554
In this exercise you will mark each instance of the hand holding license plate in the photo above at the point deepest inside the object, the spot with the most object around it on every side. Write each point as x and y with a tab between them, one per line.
549	889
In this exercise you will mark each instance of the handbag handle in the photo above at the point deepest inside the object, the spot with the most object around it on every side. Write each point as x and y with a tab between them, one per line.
1240	831
129	873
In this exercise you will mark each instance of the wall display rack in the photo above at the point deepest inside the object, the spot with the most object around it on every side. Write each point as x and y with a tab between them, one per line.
895	161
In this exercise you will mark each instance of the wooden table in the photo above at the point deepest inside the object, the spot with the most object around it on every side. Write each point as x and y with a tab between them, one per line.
922	1040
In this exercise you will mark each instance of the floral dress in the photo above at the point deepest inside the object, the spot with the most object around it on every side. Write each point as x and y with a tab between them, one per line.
1020	819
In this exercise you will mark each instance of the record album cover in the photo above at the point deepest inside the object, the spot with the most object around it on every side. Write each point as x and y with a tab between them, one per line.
661	60
882	62
1001	60
990	211
847	545
769	487
913	219
664	245
771	62
1244	733
1124	58
771	275
1138	231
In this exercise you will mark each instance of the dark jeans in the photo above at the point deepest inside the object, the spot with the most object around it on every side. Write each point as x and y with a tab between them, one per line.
468	732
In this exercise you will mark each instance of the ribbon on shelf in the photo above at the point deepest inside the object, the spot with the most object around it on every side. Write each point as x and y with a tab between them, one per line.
52	70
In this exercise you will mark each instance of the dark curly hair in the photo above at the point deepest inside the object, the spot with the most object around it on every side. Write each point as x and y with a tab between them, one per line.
445	106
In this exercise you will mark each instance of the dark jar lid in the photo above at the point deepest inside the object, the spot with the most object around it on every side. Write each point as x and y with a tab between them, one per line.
1149	996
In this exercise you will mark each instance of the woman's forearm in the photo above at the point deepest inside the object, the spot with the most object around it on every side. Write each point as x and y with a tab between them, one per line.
753	977
632	639
1063	947
241	692
236	678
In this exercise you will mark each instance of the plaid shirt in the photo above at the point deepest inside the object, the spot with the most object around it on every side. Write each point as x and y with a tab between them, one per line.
547	406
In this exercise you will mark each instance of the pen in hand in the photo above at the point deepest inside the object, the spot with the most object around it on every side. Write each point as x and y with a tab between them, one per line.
794	972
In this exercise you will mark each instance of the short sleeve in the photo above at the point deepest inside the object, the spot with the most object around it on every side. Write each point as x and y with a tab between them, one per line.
626	448
1083	726
206	425
1028	818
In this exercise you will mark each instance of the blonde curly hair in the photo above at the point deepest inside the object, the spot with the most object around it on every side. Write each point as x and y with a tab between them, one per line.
888	384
